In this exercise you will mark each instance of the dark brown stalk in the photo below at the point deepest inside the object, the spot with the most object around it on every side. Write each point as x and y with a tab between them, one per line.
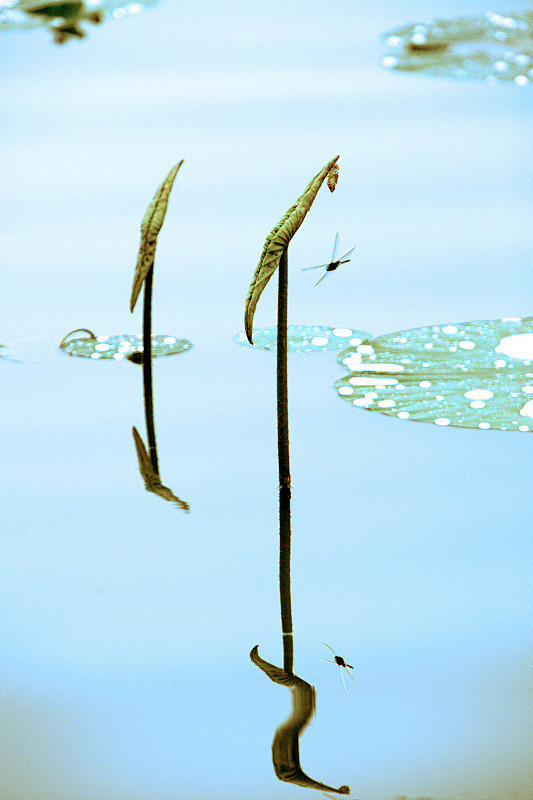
147	369
284	468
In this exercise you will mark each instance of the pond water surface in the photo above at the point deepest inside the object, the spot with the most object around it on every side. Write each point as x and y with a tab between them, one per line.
126	624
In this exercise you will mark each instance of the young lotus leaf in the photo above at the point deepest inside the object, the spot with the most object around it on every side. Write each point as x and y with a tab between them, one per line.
150	227
305	338
152	481
494	47
467	374
278	240
120	346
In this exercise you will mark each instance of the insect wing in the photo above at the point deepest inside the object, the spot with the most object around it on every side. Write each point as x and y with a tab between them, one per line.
335	247
321	279
473	374
318	266
343	681
349	253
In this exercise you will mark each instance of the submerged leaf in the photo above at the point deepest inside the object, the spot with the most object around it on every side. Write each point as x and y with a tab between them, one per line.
285	745
475	374
277	241
120	346
150	227
152	481
305	338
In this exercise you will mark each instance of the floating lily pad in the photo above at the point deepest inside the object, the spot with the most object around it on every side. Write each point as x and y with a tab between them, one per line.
468	374
64	18
305	338
493	47
120	346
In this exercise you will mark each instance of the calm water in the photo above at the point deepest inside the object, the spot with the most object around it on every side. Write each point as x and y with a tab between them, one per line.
126	624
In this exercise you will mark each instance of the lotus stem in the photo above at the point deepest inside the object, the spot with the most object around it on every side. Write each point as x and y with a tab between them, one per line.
284	467
147	369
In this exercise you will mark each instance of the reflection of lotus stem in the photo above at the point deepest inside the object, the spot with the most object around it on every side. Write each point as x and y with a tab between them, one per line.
147	368
284	468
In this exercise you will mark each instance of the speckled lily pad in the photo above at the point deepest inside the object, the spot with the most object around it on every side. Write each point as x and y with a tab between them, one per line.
492	47
468	374
120	346
305	338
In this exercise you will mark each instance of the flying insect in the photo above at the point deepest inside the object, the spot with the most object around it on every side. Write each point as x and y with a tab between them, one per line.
334	262
341	663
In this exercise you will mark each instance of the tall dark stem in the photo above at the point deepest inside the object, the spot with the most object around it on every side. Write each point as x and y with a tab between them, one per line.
147	369
284	467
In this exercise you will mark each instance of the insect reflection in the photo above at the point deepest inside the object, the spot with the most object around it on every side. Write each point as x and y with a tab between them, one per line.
341	663
334	262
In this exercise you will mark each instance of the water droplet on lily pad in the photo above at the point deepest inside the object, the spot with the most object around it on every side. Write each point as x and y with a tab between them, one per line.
305	338
484	385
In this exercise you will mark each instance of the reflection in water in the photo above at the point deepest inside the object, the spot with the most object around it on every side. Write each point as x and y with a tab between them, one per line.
492	47
63	19
151	478
305	338
285	745
468	374
120	346
342	665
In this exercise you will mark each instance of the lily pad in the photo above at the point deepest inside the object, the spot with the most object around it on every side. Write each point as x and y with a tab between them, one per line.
305	338
120	346
64	19
476	374
492	47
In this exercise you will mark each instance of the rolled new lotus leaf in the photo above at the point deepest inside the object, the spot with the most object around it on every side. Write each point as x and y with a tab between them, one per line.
150	227
152	481
285	745
278	240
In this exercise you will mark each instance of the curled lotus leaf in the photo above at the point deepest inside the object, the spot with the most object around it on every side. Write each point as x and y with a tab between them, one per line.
120	346
150	227
476	374
152	481
305	338
278	240
285	745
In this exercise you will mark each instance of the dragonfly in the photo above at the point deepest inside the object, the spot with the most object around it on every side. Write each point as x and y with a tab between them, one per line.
341	663
334	262
64	19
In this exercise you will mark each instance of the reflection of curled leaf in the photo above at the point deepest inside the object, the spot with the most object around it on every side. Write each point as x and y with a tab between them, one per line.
285	746
277	241
151	479
150	227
